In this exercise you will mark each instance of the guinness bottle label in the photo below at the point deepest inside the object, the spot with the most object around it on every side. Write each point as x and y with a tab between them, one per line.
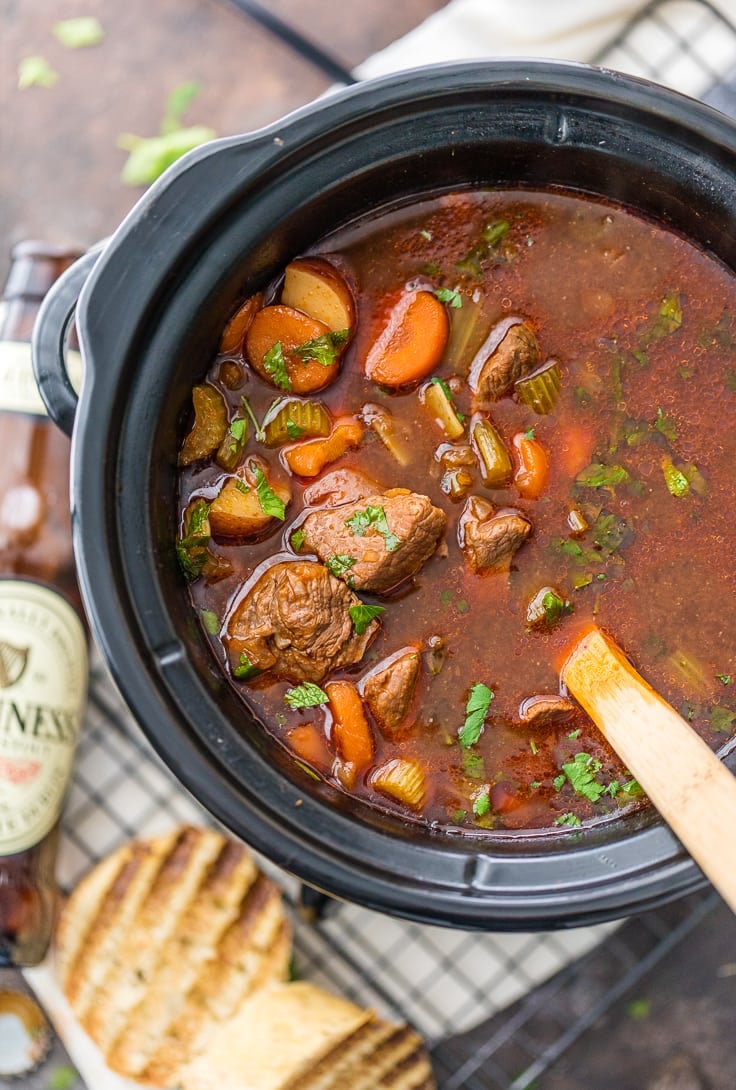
18	390
43	683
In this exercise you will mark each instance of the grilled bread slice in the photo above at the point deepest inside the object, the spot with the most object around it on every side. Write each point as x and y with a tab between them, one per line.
162	941
298	1037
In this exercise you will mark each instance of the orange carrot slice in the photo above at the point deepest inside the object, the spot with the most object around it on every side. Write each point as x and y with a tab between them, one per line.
532	472
307	742
351	732
282	366
309	459
411	343
239	324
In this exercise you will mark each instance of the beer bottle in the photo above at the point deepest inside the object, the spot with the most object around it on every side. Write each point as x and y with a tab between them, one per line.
43	643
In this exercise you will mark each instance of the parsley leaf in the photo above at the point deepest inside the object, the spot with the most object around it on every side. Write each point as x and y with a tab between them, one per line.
210	621
476	711
721	719
293	430
559	781
581	772
473	765
482	804
568	819
450	296
665	425
373	518
362	615
242	486
259	432
274	365
340	564
36	72
725	679
632	788
575	734
491	236
267	498
529	434
150	156
554	607
676	481
307	695
598	475
245	668
80	32
191	548
297	539
324	349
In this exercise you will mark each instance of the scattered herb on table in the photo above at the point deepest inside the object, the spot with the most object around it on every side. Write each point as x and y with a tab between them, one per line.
150	156
79	33
36	72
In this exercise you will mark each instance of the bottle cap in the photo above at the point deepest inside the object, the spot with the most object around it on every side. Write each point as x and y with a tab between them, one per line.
25	1037
34	268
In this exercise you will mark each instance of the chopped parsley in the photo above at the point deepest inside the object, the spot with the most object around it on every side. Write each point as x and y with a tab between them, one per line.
568	819
533	747
491	237
665	425
373	518
529	434
258	430
575	734
482	804
582	772
669	318
191	549
245	668
242	486
473	765
459	816
150	156
267	498
362	615
721	719
554	607
599	475
632	788
340	564
476	711
210	621
676	481
307	695
450	296
559	781
293	430
297	539
79	33
725	679
426	234
274	365
324	349
36	72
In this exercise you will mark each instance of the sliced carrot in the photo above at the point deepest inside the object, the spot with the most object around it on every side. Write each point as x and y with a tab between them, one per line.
411	343
351	731
532	471
575	449
239	324
308	743
291	330
309	459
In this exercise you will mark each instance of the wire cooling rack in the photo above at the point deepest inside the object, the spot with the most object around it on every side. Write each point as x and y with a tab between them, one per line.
497	1010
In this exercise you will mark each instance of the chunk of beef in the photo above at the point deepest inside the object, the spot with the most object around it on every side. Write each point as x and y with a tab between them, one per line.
295	622
389	688
388	537
543	710
343	485
514	356
490	537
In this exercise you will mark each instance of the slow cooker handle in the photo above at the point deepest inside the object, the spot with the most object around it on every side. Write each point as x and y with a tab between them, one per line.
48	342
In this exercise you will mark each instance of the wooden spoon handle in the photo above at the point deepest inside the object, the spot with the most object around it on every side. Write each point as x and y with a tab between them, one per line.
694	792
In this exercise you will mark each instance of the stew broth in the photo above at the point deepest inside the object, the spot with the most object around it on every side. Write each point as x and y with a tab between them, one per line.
631	527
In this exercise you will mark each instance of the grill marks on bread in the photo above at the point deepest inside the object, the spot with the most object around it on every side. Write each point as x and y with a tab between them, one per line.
163	940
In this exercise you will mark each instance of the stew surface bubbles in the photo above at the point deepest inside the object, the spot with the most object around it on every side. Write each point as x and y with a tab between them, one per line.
444	442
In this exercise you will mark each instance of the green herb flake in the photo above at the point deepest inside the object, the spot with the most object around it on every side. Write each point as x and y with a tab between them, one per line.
496	232
487	248
482	804
362	615
476	711
676	481
582	396
297	539
670	315
598	475
191	548
613	788
242	486
632	788
462	606
307	695
568	819
529	434
324	349
245	670
721	719
62	1077
535	785
426	235
575	734
293	430
274	365
459	816
150	156
450	296
373	518
554	607
581	772
210	621
473	765
340	564
725	679
665	425
267	498
639	1009
559	782
36	72
533	747
258	430
79	33
581	581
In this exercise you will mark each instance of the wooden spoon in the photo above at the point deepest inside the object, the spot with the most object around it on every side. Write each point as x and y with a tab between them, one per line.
694	792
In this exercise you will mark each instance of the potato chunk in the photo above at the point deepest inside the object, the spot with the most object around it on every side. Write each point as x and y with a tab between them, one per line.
241	509
314	286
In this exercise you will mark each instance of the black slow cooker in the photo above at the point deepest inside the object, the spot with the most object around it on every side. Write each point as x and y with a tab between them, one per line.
216	227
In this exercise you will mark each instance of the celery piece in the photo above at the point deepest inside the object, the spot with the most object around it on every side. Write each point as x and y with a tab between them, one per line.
541	389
